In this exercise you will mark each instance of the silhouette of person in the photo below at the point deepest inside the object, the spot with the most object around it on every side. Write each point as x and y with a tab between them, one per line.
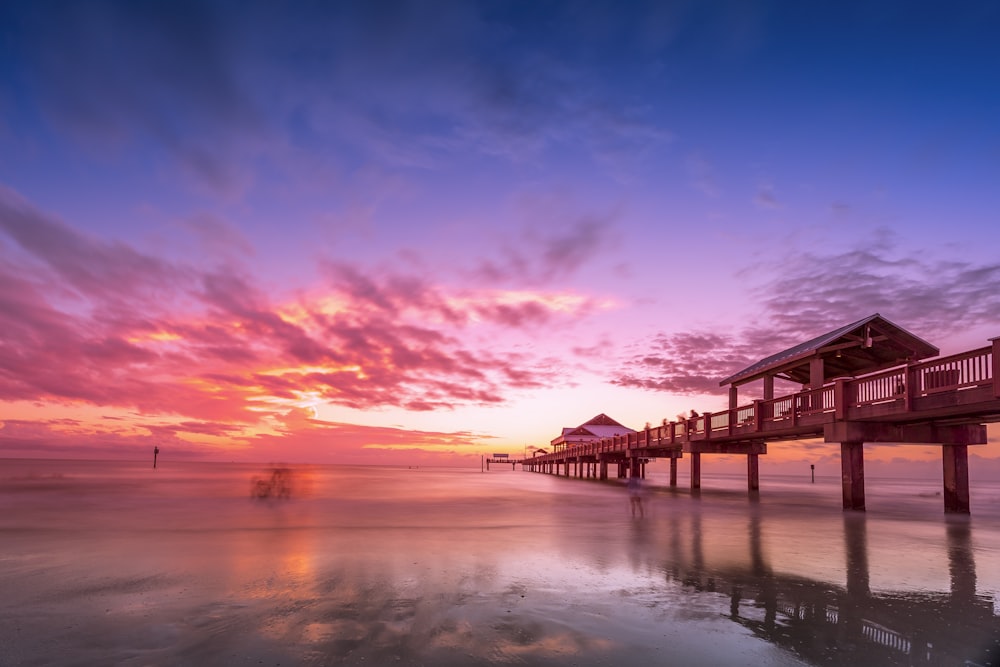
635	496
156	452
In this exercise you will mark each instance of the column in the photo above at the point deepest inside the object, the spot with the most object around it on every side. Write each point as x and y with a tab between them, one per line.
852	469
673	471
753	472
695	470
955	460
604	469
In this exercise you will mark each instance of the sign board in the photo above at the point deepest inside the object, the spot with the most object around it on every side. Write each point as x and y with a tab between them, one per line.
500	456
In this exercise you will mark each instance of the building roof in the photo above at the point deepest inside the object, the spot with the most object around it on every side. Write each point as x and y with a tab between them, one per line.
865	346
601	426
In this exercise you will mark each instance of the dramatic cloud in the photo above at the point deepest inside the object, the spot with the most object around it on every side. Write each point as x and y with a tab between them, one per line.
94	322
817	293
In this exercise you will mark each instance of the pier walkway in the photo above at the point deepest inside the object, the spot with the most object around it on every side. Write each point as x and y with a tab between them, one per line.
942	401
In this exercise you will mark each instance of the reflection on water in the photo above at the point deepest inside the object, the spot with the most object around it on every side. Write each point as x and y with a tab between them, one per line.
109	562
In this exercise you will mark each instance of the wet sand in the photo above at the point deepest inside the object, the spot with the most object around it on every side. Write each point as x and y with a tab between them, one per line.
115	564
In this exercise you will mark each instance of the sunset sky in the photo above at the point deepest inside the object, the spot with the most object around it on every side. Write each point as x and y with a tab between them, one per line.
414	233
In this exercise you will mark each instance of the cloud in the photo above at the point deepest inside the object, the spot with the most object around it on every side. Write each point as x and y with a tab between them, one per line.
217	236
816	293
554	248
113	73
765	198
299	439
702	174
104	324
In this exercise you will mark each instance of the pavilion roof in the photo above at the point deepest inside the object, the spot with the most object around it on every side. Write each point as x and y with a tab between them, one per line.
868	345
601	426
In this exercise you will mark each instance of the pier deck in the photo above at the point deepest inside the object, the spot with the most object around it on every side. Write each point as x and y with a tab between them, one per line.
943	401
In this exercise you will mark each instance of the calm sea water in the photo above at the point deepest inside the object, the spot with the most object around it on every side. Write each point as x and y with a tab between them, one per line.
116	563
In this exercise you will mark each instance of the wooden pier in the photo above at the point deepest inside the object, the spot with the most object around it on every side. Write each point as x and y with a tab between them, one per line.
903	398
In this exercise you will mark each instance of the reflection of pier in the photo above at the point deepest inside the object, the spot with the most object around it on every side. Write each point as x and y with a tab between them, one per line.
825	623
864	382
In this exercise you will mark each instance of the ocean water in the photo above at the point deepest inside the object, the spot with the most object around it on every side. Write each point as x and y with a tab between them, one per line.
117	563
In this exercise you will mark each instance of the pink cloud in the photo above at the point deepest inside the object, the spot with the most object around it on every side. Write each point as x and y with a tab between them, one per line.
810	297
104	324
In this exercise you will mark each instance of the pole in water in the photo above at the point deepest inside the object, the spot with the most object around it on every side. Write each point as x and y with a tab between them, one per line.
156	451
812	471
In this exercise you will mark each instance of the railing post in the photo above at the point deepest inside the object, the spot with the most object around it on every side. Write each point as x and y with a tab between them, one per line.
840	400
758	415
996	366
708	425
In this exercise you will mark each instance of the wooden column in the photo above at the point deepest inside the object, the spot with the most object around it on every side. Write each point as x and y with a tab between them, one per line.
673	471
996	366
852	468
604	469
695	470
955	460
753	473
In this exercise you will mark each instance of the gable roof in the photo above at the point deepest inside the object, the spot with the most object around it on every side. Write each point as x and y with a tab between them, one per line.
602	420
601	426
865	346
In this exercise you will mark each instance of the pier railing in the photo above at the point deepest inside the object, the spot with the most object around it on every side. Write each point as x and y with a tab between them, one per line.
894	391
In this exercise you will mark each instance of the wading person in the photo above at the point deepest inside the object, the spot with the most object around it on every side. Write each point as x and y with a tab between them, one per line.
635	496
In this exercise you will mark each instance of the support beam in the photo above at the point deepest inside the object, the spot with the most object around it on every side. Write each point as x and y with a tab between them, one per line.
702	447
753	472
604	469
955	464
916	434
695	470
852	467
673	471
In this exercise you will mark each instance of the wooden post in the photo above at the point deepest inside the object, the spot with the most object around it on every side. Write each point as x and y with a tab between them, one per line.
695	470
840	400
996	366
813	401
955	460
768	387
852	467
604	469
673	471
753	472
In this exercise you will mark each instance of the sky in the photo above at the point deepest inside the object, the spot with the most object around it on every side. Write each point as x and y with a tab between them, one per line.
421	232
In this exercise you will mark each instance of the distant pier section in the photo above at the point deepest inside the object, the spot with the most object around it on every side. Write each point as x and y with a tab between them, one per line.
869	381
